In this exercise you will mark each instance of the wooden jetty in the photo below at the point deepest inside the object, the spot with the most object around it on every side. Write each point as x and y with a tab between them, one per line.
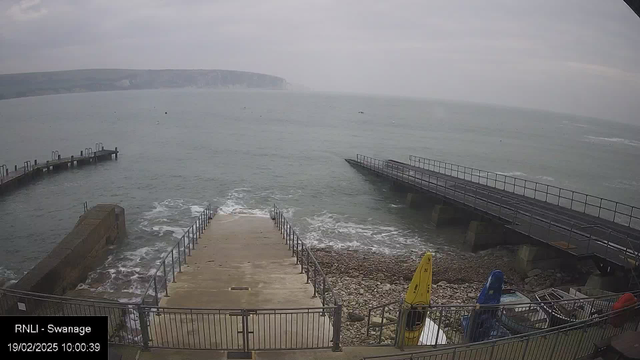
13	177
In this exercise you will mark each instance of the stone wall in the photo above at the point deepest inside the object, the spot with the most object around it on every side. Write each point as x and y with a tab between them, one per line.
80	252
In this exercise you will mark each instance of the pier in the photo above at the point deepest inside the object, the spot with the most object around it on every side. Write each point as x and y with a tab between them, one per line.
16	176
577	224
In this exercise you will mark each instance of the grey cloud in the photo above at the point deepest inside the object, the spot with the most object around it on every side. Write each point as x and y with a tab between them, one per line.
577	56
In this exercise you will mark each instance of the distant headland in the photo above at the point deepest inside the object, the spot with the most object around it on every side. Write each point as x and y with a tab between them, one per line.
87	80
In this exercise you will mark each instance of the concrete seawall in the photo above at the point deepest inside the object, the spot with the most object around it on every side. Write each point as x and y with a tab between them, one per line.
81	251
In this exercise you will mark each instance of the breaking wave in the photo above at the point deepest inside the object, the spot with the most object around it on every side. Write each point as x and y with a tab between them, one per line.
241	202
326	229
596	139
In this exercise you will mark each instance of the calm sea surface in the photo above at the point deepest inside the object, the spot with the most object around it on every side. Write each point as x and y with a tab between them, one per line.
245	150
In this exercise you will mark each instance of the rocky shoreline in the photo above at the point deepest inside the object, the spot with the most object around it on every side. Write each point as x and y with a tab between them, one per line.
364	279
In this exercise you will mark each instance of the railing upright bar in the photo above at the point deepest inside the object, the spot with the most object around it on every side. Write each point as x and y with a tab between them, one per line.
173	268
166	283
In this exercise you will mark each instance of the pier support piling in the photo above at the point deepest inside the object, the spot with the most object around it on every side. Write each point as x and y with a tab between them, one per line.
484	235
447	215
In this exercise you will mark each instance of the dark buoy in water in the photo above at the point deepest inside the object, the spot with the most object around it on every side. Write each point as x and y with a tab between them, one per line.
165	113
360	112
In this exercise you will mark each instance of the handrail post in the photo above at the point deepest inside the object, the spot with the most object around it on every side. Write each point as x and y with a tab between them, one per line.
439	323
166	284
307	265
155	289
184	247
337	327
173	268
315	276
190	238
179	260
324	287
400	327
142	317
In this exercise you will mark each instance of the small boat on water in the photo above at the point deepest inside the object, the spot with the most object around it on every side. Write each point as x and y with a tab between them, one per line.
565	305
520	319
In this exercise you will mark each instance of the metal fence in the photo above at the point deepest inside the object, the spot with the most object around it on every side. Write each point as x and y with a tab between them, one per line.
569	341
173	260
240	330
544	226
124	327
310	267
459	324
611	210
304	257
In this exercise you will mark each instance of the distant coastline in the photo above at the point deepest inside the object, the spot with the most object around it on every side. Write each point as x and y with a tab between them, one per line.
89	80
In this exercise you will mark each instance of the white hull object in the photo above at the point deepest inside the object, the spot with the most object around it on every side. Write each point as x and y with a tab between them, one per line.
431	332
520	319
564	312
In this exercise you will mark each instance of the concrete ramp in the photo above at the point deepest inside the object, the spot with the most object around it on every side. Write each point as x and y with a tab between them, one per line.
238	252
240	290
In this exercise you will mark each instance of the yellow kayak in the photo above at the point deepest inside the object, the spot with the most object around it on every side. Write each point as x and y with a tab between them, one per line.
417	299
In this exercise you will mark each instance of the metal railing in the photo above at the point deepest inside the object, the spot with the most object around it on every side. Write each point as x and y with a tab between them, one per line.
460	324
310	267
124	327
240	329
543	226
606	209
171	263
569	341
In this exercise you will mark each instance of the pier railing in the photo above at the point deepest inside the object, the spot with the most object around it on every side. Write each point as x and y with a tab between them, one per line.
566	342
311	268
581	241
172	262
611	210
460	324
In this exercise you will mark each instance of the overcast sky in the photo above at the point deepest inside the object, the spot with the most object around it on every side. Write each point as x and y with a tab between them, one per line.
576	56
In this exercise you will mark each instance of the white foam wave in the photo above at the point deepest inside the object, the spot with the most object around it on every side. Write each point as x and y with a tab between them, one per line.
10	277
196	210
171	215
547	178
511	173
337	231
624	184
235	205
177	231
577	124
597	139
123	272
